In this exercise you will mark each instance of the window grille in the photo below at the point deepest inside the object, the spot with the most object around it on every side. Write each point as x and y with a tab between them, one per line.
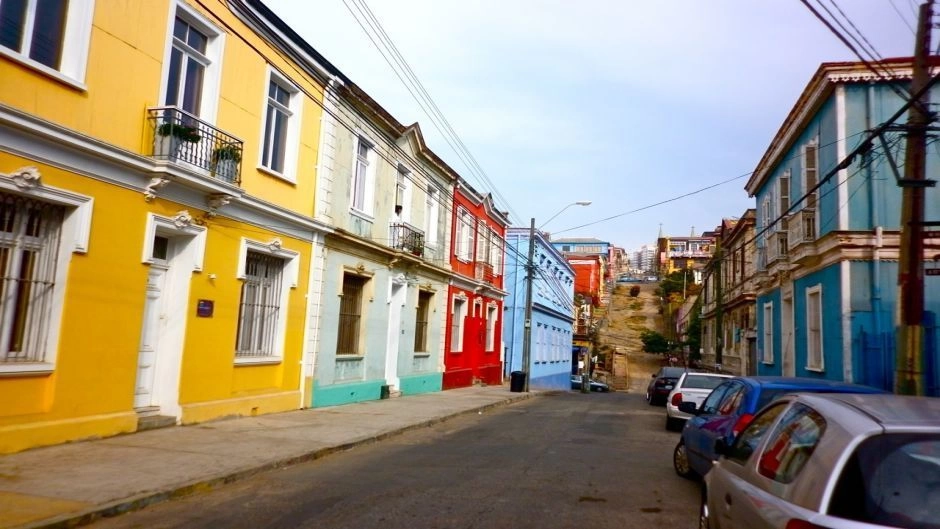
260	305
30	231
350	314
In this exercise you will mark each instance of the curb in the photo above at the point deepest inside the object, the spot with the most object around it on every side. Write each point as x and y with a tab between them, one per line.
206	484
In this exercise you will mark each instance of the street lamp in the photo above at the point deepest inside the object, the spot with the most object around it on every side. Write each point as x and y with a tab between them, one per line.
530	275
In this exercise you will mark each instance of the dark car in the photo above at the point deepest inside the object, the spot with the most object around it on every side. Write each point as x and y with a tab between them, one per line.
663	381
596	385
729	408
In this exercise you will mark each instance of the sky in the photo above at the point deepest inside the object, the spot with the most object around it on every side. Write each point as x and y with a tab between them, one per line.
624	103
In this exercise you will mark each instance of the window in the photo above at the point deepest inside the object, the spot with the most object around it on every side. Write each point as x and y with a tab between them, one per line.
810	169
710	405
458	314
791	444
783	193
350	315
363	176
766	212
276	121
814	358
421	322
768	342
431	216
732	400
403	194
491	315
464	246
188	63
496	252
30	231
49	35
260	306
747	441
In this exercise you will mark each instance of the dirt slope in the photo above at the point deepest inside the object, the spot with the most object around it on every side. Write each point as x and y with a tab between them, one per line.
627	317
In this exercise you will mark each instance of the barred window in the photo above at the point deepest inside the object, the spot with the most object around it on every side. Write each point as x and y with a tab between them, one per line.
260	306
350	315
29	241
421	322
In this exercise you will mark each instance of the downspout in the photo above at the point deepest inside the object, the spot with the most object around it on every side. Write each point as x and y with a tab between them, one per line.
875	223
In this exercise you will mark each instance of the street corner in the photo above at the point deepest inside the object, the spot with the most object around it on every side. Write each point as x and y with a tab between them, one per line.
23	510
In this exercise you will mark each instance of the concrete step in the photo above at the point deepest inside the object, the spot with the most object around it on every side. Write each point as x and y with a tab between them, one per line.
152	422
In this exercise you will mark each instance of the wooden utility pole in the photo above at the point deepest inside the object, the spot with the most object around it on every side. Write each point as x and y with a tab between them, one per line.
909	376
527	330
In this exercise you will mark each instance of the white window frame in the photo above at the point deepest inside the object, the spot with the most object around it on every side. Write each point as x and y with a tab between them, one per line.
289	275
74	237
463	248
783	192
814	329
432	216
458	311
492	320
157	224
814	146
76	41
367	207
403	192
208	105
294	111
767	355
496	252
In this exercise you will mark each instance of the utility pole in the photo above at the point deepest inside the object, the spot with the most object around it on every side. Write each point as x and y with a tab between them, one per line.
527	331
909	376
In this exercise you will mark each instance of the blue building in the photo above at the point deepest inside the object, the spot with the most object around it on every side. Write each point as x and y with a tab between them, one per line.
827	271
550	363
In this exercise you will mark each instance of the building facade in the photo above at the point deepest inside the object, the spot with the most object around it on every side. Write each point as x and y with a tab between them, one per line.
550	359
158	220
473	344
728	316
828	249
685	253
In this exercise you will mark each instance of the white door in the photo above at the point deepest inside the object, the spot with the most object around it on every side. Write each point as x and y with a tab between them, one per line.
151	329
396	300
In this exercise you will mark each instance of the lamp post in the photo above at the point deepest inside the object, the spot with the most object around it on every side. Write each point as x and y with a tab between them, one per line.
530	275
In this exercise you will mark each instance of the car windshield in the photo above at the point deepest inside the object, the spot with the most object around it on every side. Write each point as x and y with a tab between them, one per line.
672	372
892	479
701	382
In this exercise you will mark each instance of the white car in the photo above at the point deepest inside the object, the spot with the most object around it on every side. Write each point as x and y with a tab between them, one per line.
691	387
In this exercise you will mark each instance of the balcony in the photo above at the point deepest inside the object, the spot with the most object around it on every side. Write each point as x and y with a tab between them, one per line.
181	138
802	227
485	272
776	246
406	238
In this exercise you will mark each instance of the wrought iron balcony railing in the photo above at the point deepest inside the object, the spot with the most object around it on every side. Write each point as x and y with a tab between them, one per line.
406	238
180	137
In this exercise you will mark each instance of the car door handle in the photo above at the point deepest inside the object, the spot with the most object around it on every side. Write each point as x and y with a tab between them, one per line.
728	500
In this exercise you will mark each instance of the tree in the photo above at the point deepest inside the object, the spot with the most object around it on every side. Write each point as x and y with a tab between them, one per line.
634	291
653	342
694	332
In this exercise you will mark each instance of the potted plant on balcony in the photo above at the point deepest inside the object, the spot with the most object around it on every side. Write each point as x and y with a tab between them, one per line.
225	159
170	136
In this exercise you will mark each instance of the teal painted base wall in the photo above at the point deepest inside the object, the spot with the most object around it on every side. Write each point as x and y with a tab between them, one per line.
417	384
346	393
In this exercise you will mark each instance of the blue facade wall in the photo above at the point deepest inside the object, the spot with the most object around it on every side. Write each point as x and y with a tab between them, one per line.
775	366
829	280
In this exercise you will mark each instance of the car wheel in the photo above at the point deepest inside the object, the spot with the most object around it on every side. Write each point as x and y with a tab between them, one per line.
680	461
673	424
704	521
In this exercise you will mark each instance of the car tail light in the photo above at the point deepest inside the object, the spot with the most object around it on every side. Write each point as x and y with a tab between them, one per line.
803	524
742	423
676	399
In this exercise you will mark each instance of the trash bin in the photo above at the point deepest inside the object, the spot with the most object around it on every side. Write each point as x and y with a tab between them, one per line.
517	381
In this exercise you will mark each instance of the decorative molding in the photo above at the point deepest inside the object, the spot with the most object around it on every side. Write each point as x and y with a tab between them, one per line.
156	184
182	219
275	245
24	178
216	201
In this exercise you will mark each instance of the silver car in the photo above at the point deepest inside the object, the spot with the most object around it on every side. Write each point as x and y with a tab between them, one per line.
830	461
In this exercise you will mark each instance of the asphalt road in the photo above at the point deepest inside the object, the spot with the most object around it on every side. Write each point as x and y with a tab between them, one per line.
569	460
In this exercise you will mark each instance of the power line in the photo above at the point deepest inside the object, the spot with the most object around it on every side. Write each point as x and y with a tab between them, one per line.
901	16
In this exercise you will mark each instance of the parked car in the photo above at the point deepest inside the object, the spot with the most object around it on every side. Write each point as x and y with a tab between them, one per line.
831	461
691	387
596	385
730	407
662	383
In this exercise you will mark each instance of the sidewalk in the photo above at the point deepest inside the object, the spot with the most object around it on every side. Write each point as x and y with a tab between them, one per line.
70	484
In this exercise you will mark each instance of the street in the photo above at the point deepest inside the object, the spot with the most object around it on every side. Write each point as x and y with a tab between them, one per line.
566	460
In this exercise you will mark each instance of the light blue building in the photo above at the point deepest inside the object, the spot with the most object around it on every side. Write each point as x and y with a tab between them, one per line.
552	311
827	271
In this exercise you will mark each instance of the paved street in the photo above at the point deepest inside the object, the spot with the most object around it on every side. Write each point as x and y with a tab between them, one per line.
598	460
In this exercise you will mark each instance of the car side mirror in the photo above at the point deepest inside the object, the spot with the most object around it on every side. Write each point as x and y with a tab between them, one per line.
688	407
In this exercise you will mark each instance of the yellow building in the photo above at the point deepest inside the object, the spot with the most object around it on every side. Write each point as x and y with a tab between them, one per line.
157	177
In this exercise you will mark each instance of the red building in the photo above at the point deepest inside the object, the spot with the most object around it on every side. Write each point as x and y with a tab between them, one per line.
588	276
473	344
